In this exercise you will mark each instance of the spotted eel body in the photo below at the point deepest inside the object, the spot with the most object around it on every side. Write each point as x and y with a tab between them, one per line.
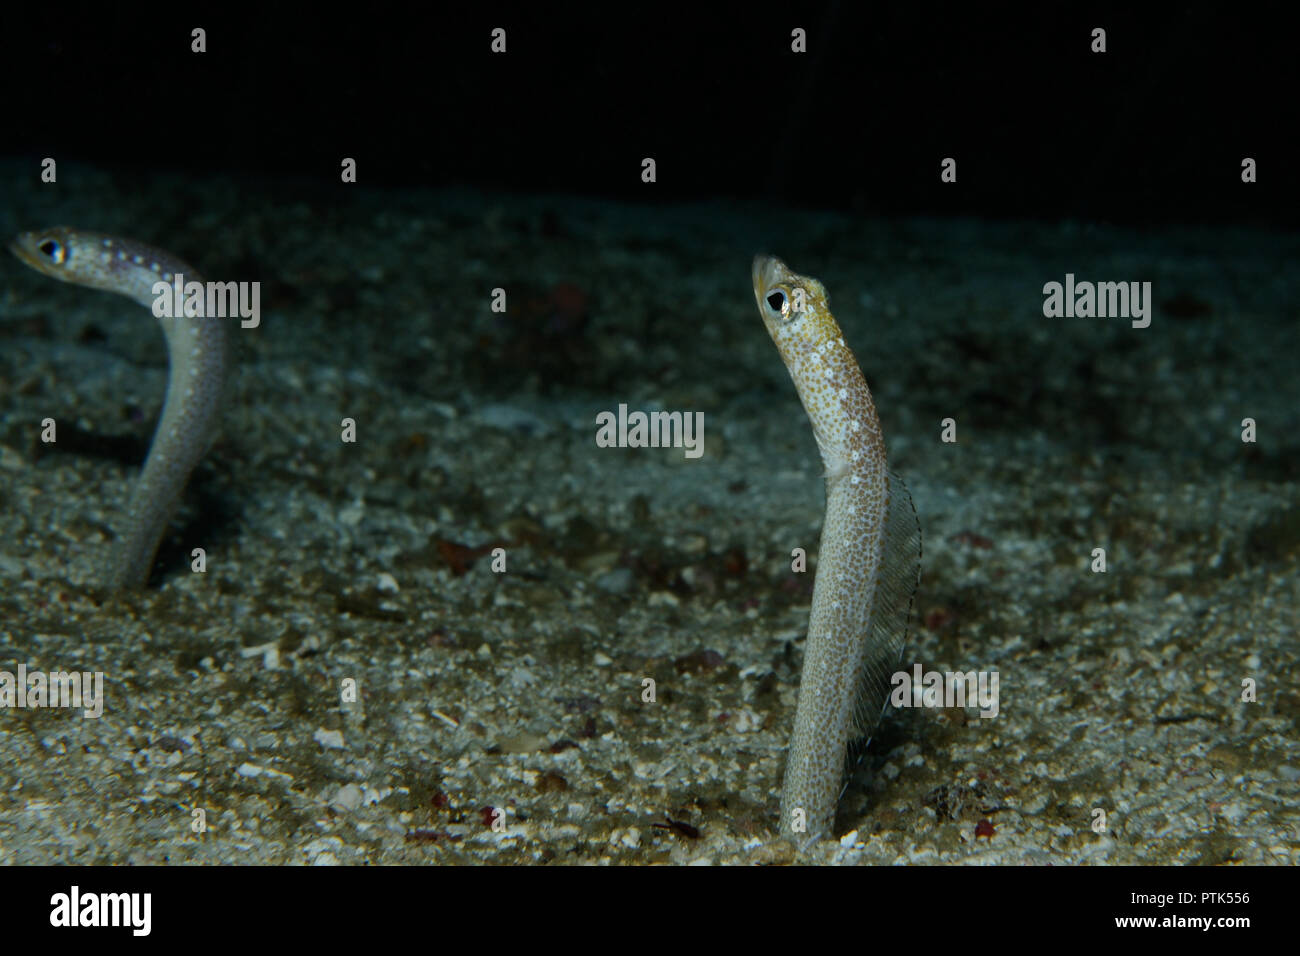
198	359
868	561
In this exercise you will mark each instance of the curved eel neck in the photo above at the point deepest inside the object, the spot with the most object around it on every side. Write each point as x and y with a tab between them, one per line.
197	359
855	627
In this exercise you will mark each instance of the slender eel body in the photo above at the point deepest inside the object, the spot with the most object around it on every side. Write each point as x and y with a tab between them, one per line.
867	563
197	357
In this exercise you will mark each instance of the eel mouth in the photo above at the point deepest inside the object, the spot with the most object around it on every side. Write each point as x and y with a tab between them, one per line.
23	247
766	272
15	245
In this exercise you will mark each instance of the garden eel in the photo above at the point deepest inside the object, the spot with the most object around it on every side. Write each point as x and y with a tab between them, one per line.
868	565
197	358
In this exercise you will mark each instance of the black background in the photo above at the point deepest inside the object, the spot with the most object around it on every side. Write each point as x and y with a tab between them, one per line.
1152	131
369	909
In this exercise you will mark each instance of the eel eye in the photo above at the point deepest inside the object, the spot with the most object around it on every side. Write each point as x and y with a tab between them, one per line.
777	302
53	250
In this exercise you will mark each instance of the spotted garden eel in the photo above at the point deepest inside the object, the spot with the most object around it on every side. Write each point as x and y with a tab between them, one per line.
868	564
197	357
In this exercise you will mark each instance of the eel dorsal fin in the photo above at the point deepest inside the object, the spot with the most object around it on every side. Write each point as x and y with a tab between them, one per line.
896	586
